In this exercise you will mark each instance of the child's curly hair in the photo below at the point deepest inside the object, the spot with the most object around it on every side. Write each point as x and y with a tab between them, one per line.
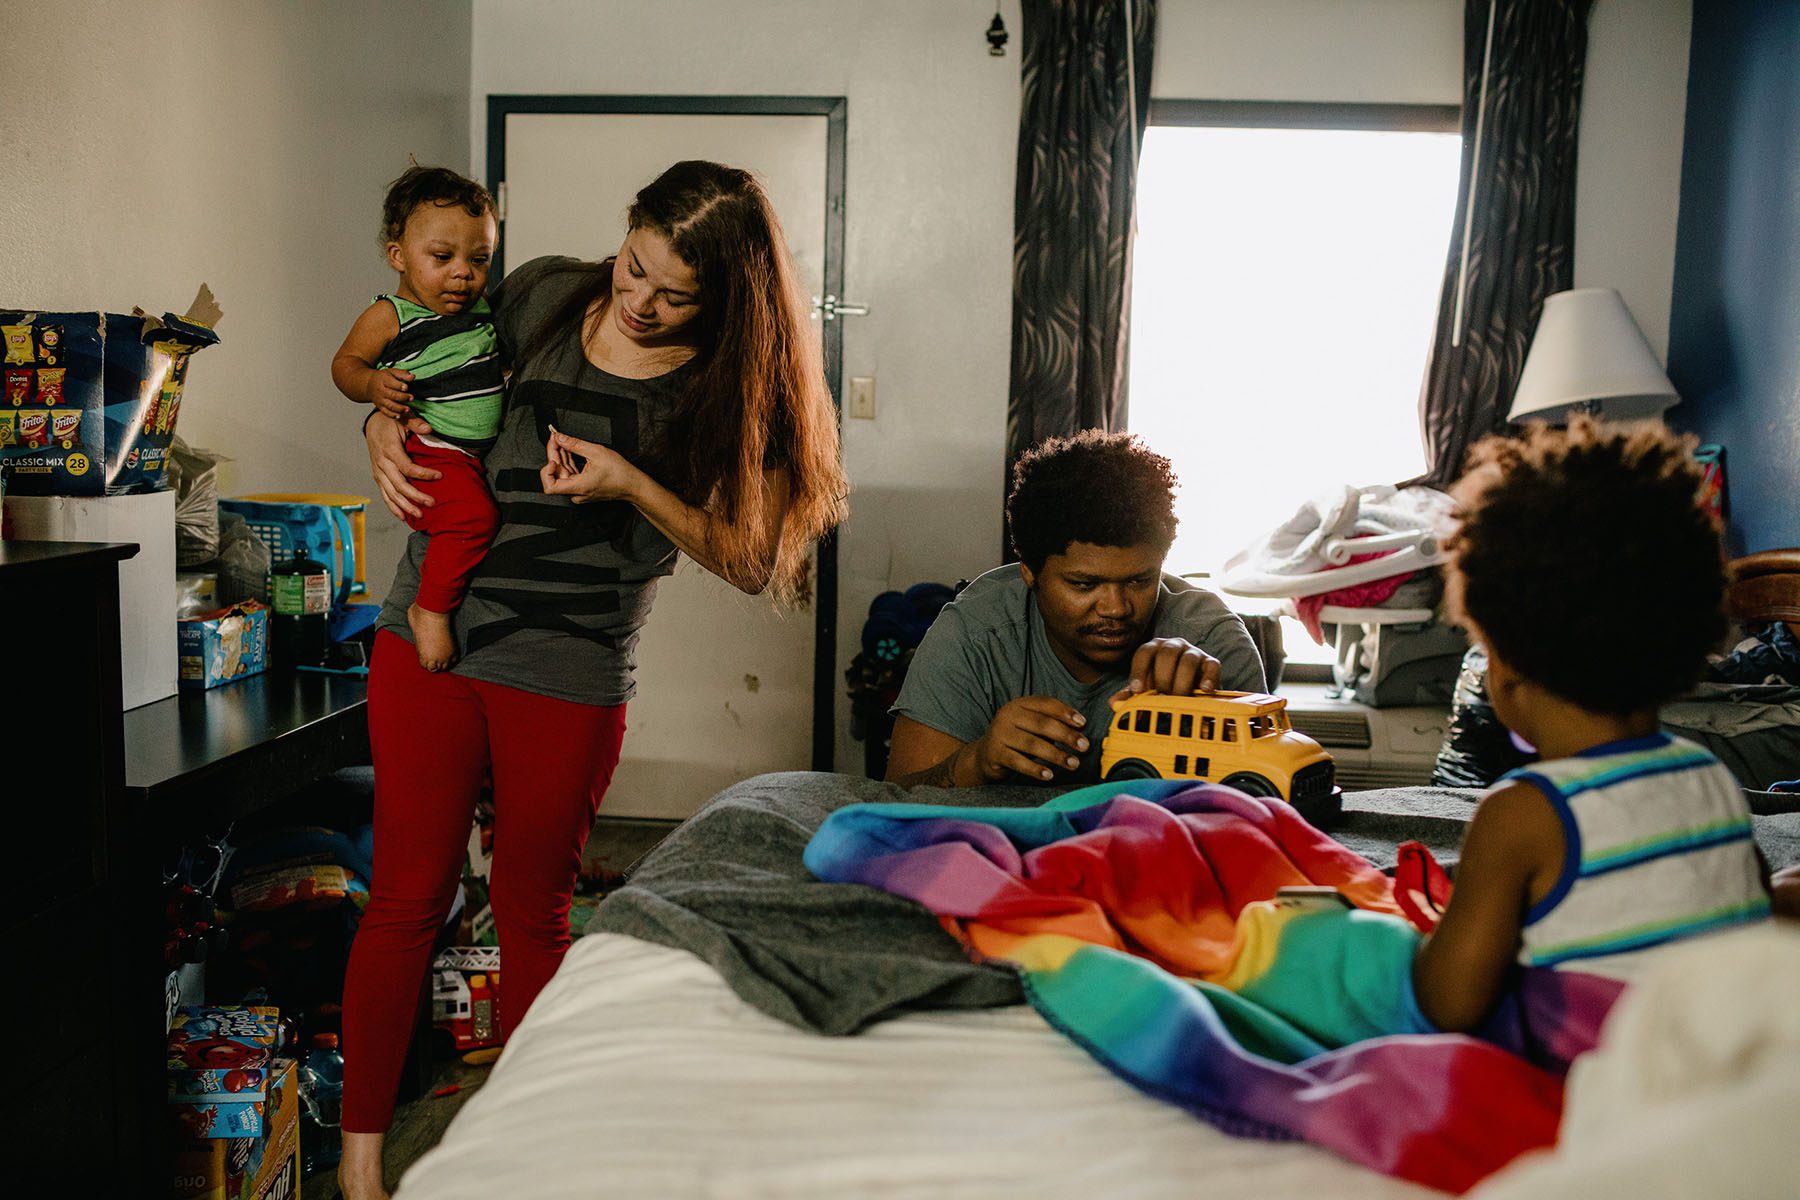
429	185
1106	489
1588	564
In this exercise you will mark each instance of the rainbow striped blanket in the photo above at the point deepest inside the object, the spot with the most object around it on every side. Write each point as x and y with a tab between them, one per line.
1144	922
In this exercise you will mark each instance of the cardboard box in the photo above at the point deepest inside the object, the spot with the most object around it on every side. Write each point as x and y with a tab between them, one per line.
220	1120
218	1065
260	1168
146	580
224	645
90	398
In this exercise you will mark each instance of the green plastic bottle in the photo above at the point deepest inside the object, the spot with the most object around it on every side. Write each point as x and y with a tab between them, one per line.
299	612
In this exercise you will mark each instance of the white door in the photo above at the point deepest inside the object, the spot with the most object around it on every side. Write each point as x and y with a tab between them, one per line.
724	683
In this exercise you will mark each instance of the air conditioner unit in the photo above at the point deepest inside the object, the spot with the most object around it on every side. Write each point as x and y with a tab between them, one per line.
1373	747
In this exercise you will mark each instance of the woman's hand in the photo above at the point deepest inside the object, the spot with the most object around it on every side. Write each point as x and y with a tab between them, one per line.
604	476
393	470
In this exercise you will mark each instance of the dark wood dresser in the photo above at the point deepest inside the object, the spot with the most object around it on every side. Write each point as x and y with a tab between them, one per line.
84	1002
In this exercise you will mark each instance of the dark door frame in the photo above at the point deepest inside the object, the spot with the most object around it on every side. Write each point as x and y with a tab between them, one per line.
834	110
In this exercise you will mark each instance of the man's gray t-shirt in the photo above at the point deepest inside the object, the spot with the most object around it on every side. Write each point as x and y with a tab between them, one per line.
988	648
557	602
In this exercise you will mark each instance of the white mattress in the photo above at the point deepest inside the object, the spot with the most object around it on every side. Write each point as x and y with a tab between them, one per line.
640	1074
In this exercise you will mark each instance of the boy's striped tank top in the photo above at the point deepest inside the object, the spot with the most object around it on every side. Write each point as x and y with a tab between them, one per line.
455	363
1658	848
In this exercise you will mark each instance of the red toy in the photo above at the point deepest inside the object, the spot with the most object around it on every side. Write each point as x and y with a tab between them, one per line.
465	992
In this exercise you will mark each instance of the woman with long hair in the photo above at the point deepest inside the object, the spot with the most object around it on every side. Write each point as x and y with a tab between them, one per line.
670	400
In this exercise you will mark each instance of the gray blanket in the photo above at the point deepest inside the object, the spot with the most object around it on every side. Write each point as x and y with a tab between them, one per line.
729	886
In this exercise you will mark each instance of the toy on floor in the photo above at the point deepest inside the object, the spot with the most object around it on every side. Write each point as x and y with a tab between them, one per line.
465	986
1243	740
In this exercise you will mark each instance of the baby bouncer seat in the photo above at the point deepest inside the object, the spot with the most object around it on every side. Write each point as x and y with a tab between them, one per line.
1359	567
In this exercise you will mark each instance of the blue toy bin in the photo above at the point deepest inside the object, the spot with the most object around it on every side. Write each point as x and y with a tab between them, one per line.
326	527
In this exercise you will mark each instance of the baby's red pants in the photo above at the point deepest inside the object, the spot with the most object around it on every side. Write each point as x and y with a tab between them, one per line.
462	523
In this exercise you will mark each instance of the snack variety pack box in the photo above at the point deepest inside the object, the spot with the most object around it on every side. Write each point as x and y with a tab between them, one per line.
254	1168
218	1066
90	398
223	645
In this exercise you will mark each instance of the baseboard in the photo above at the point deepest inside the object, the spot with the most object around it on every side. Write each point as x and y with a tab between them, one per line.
1373	747
607	820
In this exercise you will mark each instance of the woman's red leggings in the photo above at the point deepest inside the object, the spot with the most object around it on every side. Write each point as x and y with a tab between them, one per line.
436	738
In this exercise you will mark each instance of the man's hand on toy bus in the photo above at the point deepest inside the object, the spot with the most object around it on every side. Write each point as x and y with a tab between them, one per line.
1173	666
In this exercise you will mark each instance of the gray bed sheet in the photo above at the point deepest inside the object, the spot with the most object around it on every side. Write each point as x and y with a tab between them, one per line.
729	886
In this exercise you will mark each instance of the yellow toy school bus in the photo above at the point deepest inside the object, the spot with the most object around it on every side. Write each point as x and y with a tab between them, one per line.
1240	739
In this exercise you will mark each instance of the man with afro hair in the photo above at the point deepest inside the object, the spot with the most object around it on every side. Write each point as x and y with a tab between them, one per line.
1587	568
1016	677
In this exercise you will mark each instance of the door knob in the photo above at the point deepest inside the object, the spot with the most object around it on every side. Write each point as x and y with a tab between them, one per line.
832	308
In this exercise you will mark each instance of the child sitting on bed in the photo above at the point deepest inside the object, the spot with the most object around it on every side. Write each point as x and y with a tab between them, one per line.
1595	582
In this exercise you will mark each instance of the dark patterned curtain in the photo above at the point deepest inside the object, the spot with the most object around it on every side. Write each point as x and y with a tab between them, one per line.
1516	209
1081	124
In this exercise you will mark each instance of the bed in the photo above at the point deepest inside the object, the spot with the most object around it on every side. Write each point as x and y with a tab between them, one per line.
641	1074
678	1051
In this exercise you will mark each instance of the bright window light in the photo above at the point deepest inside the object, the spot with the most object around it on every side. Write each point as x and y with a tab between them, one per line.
1284	288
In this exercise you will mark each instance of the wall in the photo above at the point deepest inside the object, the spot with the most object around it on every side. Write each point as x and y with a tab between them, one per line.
1360	51
1734	348
1628	182
153	146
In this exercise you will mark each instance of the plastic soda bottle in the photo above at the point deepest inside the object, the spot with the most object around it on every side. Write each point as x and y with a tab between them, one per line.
299	611
322	1094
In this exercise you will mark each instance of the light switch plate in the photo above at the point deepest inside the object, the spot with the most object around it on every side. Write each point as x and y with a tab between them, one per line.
862	397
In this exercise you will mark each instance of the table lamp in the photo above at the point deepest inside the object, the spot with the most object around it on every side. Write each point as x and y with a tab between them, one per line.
1588	355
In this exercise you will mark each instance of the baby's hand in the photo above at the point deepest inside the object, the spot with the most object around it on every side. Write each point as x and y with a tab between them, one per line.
388	391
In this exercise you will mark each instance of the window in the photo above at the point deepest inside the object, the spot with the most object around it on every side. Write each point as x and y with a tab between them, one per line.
1230	730
1181	764
1186	728
1143	720
1162	724
1284	285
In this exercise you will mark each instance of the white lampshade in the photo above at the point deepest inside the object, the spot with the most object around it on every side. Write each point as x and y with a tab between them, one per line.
1588	355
